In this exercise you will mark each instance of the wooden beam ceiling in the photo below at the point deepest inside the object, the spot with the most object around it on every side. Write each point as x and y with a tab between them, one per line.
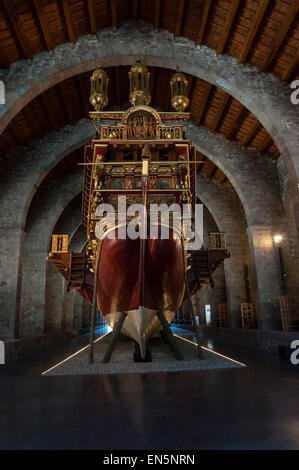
227	26
43	24
113	4
259	15
203	104
236	122
68	20
220	112
203	22
284	27
157	13
68	102
135	9
15	30
179	18
91	14
286	74
249	135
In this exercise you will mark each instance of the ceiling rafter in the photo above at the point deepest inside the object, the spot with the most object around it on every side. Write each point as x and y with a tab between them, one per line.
281	33
265	144
31	121
16	135
43	24
220	112
286	74
65	104
92	18
203	104
259	15
15	30
203	22
235	125
157	13
227	26
179	18
135	9
251	132
48	111
68	20
82	94
113	5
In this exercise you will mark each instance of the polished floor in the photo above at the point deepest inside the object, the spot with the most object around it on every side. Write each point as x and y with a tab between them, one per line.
254	407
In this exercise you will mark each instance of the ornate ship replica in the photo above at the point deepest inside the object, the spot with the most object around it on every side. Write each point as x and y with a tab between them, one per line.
137	282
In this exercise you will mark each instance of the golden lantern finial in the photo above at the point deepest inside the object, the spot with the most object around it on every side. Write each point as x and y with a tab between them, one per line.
139	84
179	91
99	89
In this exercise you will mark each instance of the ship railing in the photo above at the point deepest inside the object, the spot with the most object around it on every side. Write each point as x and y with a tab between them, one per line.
217	241
162	132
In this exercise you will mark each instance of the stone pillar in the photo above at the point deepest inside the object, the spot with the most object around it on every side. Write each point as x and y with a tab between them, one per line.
265	265
68	310
78	309
11	243
53	299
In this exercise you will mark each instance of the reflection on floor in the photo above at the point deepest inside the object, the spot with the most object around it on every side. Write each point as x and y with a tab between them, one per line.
254	407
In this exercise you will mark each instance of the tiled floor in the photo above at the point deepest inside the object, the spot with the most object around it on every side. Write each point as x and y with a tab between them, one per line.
255	407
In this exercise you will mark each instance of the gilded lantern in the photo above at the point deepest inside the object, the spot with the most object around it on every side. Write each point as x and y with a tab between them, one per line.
179	91
139	84
99	89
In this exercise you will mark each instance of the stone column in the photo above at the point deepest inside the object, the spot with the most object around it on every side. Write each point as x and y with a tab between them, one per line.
68	310
11	243
265	265
78	309
53	299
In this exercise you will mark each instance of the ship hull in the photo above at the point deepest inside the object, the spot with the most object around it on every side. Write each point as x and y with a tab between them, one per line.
123	288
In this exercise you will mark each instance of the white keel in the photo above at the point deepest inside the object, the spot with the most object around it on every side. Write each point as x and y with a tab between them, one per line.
140	324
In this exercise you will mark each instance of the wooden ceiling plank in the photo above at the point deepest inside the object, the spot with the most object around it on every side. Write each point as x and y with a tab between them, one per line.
203	22
250	134
135	9
259	15
65	104
157	13
82	95
227	26
92	18
32	122
113	5
266	142
237	122
16	135
203	104
68	20
48	111
281	33
286	74
15	30
213	173
220	112
179	18
43	24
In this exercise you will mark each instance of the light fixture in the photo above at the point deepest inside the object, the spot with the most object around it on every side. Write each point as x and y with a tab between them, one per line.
277	238
99	89
139	84
179	91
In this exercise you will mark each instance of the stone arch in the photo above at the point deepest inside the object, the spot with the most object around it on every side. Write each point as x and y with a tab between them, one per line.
45	210
225	206
261	93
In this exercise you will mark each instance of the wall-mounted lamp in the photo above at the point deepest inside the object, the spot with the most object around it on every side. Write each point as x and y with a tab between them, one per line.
278	239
